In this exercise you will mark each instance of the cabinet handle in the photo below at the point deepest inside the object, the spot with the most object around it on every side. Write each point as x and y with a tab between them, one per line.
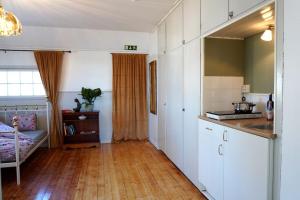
209	129
219	150
224	136
183	109
230	14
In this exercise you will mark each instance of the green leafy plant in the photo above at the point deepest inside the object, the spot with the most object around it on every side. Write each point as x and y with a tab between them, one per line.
90	95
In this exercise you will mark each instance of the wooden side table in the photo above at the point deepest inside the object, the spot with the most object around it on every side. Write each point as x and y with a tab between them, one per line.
77	131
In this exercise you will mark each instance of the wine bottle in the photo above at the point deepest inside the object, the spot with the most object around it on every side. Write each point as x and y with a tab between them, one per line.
270	109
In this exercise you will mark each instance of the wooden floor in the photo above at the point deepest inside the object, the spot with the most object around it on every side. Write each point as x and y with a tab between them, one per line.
133	170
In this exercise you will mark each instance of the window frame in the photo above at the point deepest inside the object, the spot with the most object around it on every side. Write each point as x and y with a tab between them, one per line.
35	97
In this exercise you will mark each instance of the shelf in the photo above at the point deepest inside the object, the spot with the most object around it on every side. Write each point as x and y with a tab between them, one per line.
86	125
78	120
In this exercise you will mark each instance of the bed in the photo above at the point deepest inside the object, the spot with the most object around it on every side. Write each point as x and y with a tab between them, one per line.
16	146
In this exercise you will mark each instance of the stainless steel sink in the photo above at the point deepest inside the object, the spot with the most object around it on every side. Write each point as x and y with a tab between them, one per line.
261	126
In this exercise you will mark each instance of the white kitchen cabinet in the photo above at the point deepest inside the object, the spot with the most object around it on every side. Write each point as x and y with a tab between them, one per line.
191	19
234	164
237	6
211	159
174	29
174	116
213	14
161	38
246	166
162	101
192	108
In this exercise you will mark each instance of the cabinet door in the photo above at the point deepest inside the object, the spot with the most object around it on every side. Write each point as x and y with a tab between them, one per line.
192	108
162	101
213	13
246	166
174	29
211	159
191	19
238	6
161	39
174	136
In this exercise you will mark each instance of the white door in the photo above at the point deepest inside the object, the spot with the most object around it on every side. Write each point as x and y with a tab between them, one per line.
162	101
191	19
192	108
174	134
213	14
174	29
246	166
211	159
161	38
237	6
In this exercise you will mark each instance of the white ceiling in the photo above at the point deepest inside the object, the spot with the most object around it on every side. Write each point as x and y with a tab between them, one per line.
141	15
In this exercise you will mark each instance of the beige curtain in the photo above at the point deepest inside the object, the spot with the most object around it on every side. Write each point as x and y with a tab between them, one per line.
130	118
49	64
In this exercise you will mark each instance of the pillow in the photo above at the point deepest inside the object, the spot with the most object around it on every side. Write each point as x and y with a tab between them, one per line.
27	121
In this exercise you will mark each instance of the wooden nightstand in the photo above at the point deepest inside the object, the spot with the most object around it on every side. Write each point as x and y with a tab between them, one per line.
78	131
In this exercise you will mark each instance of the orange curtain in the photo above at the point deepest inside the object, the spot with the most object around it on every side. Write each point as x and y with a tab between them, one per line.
130	118
50	64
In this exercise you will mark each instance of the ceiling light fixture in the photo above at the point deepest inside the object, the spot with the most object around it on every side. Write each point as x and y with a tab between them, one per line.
9	23
267	35
267	9
267	15
268	19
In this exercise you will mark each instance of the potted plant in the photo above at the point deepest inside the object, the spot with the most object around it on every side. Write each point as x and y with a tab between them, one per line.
89	96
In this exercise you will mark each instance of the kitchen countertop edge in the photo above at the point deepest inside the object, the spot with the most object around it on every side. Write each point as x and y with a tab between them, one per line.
244	129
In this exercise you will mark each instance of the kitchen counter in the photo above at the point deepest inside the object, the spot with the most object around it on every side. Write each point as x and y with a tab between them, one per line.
246	125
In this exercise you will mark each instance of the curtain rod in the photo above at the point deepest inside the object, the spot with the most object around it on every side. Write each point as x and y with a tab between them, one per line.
28	50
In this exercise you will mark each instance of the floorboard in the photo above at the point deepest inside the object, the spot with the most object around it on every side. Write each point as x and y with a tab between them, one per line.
126	171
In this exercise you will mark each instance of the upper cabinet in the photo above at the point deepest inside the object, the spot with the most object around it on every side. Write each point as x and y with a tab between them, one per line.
174	28
162	38
216	12
213	13
191	19
237	7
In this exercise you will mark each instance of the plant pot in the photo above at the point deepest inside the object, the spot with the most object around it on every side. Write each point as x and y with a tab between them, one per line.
89	107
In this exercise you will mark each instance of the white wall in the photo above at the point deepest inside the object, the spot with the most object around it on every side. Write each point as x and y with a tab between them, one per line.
75	39
260	100
153	119
214	88
87	68
290	169
89	64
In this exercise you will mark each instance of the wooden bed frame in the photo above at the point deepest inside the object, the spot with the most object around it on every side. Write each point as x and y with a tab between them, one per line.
18	161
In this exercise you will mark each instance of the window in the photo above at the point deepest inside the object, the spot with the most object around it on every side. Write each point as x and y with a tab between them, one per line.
21	83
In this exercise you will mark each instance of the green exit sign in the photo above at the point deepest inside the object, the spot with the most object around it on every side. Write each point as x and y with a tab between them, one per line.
130	47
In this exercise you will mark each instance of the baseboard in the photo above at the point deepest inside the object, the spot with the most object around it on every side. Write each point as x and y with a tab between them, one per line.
106	141
154	144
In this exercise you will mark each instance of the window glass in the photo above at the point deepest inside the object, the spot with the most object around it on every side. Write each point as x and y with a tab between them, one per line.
26	90
3	77
3	89
13	77
38	90
26	77
13	90
20	83
36	77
